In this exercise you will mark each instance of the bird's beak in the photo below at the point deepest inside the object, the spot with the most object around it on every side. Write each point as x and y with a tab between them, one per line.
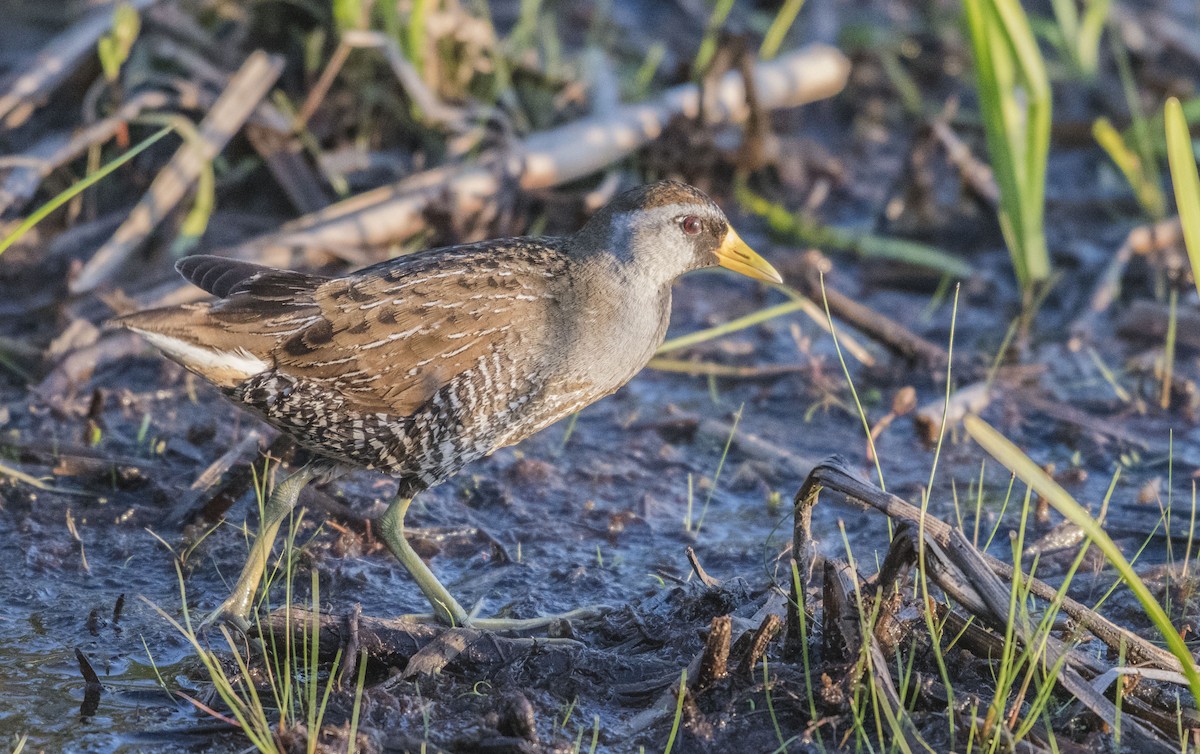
734	254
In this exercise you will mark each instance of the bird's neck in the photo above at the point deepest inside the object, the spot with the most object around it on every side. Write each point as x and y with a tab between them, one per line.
625	324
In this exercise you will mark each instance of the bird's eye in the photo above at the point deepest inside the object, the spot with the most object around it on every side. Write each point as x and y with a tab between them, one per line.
690	225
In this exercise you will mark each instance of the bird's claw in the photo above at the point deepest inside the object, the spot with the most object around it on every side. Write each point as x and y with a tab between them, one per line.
501	625
225	616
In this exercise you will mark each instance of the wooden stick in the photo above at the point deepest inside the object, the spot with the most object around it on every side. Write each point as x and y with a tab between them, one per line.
757	646
996	595
27	171
783	461
395	642
56	387
981	584
865	319
969	399
271	135
1143	239
698	569
835	474
840	587
218	472
391	214
231	110
714	661
975	173
57	61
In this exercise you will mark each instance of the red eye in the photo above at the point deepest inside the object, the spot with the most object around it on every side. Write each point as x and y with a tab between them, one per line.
690	225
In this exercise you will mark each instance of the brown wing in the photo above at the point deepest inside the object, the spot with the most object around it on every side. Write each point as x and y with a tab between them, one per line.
390	336
229	340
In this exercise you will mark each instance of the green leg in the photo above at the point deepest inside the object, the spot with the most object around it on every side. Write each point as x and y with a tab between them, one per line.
391	531
446	609
236	608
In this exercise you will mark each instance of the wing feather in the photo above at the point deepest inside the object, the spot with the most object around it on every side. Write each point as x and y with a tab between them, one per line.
391	336
224	278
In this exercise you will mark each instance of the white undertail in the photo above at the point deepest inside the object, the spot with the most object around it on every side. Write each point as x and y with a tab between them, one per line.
224	367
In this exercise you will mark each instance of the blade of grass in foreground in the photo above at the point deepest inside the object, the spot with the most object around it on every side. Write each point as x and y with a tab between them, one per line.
78	187
741	323
1029	472
935	633
1187	183
678	712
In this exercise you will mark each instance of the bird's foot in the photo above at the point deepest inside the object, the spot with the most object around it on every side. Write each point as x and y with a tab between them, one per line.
228	614
559	623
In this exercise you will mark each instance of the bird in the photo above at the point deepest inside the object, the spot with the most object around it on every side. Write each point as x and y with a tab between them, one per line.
424	363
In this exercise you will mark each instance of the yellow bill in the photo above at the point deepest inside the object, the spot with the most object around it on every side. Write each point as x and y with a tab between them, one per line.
734	254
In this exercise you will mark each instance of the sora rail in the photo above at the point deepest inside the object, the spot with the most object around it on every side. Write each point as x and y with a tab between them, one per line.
421	364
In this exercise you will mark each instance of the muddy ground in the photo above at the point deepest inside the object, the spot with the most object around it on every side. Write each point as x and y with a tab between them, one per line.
593	513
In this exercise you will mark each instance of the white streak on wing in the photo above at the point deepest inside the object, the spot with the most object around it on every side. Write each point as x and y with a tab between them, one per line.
237	361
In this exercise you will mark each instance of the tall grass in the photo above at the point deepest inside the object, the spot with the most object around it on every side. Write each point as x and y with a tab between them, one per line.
935	633
1079	35
1182	157
294	695
779	28
683	690
1139	172
1026	672
801	230
798	589
891	724
1134	152
114	47
708	44
1014	100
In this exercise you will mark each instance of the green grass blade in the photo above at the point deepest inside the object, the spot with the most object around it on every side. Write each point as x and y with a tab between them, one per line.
352	736
935	634
1145	187
804	231
708	44
779	28
1066	15
678	712
736	325
1095	16
1000	448
1183	175
78	187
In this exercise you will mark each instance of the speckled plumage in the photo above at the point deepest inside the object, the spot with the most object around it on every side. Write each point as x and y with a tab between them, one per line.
422	364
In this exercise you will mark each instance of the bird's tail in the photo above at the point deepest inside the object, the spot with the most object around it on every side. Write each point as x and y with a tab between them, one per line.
189	336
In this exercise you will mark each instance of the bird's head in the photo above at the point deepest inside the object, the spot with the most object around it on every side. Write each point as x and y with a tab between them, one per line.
664	229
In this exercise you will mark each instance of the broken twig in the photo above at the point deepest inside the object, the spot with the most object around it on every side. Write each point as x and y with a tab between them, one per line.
246	89
60	58
392	214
